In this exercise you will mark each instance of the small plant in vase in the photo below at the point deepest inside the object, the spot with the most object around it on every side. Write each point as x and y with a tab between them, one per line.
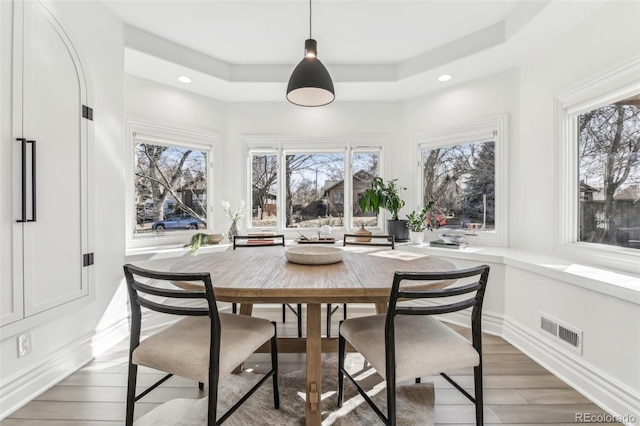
198	240
235	216
418	222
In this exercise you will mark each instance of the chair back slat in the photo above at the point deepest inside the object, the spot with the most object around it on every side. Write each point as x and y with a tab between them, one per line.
166	292
436	310
375	240
444	292
167	309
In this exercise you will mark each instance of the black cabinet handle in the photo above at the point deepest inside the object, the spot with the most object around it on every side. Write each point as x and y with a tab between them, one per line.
24	180
33	181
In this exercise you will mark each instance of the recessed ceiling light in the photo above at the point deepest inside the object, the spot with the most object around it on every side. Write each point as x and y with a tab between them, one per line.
184	79
445	77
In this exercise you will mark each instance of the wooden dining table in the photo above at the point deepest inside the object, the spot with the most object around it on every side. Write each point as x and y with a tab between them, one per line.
263	275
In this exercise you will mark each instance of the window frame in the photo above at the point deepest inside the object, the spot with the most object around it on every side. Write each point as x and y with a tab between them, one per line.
615	84
204	142
285	145
491	128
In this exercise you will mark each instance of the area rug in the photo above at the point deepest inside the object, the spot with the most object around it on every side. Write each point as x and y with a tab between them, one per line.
415	402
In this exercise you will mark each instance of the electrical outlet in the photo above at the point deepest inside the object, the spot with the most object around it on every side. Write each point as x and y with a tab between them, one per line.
24	344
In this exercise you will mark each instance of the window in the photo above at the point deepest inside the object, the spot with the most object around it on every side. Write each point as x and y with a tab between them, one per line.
461	169
170	181
171	177
312	182
365	168
609	174
301	183
598	141
264	189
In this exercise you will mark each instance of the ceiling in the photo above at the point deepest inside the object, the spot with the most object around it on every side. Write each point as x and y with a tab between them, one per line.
238	50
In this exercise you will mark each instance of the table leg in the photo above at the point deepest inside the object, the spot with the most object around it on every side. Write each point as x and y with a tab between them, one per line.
314	354
246	309
381	308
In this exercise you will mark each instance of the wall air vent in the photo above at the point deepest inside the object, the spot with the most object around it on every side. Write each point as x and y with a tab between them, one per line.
568	336
549	326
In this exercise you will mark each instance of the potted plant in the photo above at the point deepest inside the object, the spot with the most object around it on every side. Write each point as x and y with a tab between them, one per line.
386	196
418	222
201	239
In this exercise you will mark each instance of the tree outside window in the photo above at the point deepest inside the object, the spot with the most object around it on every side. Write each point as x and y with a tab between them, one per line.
460	179
609	174
169	181
264	190
310	180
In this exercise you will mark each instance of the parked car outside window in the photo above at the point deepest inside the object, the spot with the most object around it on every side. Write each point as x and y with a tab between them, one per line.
177	221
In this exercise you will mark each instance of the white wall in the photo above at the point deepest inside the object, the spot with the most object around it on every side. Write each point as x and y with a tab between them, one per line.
155	103
62	345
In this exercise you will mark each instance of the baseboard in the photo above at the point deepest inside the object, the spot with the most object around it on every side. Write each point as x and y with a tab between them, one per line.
612	396
25	385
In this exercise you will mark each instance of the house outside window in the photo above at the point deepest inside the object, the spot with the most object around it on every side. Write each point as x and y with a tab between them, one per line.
171	177
300	183
462	169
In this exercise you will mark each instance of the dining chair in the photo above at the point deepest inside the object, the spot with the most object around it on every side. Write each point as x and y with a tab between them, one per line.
204	345
373	240
408	342
359	240
265	241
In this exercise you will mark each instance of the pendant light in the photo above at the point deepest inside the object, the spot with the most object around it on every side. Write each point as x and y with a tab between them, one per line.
310	83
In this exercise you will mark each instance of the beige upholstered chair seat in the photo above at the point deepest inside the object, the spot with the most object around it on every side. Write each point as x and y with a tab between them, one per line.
183	347
424	346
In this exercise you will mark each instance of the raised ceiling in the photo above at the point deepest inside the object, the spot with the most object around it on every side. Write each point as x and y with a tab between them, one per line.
238	50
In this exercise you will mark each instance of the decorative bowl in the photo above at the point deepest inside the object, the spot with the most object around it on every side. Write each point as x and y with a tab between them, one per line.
313	255
215	238
451	238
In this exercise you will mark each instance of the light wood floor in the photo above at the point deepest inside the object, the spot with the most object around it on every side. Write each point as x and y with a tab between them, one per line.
517	390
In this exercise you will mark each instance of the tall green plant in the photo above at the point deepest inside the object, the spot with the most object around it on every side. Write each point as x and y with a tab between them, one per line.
382	196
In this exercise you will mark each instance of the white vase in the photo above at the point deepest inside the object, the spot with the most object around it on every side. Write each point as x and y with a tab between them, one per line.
417	237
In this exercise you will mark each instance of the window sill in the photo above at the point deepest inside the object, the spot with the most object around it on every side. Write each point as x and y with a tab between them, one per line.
168	251
610	282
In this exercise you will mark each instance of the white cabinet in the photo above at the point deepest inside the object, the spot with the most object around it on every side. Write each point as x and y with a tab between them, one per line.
44	245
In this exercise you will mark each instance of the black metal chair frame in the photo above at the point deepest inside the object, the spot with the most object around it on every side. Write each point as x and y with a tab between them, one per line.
278	240
273	240
478	287
137	291
390	241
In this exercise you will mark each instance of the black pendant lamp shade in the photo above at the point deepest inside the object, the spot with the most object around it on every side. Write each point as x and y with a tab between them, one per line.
310	83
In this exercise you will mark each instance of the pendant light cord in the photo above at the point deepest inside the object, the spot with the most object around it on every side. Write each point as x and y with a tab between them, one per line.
310	19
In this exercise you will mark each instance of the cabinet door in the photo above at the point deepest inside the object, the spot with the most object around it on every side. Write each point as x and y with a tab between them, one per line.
11	297
54	90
